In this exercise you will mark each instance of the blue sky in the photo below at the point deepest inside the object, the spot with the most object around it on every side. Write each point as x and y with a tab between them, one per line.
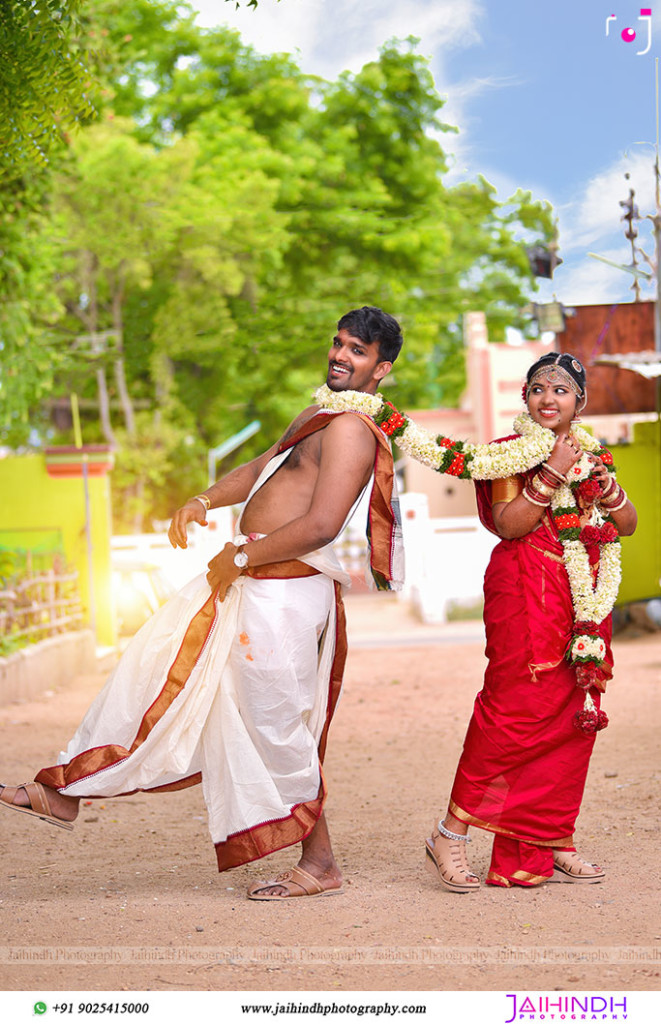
543	98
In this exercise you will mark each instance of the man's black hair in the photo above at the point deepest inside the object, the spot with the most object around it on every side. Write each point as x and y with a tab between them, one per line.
371	324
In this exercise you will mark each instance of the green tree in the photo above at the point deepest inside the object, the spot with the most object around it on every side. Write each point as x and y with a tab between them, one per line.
45	86
30	354
208	237
173	233
46	92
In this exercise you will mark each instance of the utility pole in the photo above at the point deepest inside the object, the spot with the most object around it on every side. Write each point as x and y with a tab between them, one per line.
631	214
656	223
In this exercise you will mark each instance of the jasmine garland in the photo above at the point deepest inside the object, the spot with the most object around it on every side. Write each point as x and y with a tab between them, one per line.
593	600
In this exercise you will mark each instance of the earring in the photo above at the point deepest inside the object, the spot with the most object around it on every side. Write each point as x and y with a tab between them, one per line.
576	418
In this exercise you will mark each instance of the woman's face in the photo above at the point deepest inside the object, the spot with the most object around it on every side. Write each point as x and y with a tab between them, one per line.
552	403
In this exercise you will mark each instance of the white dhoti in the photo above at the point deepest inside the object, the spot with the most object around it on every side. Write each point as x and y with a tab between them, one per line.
237	696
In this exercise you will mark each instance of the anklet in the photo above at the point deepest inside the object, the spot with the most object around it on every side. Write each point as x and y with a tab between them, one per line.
452	835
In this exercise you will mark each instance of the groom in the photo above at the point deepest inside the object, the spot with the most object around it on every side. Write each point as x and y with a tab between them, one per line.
233	684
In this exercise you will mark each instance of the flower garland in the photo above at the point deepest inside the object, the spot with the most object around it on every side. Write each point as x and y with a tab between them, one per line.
592	599
457	458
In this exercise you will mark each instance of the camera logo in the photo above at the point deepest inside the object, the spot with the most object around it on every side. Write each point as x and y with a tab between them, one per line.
628	35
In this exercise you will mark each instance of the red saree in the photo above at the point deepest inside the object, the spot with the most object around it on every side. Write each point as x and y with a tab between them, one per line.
523	768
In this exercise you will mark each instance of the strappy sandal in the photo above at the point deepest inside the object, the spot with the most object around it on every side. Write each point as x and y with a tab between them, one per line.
569	867
296	883
446	857
39	804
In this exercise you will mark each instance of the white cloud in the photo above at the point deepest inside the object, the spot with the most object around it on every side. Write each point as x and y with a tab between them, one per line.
589	281
596	214
331	36
592	223
458	97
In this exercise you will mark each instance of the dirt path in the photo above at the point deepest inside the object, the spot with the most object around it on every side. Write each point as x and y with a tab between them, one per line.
138	873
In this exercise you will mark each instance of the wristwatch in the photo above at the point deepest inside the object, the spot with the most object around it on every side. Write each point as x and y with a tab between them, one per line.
241	558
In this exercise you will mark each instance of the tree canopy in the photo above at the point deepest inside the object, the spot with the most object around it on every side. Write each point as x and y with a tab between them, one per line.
198	243
45	85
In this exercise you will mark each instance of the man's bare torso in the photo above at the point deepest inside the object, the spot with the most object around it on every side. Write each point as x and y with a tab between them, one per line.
287	494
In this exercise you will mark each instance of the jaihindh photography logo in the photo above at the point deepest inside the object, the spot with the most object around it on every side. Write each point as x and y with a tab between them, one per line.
569	1007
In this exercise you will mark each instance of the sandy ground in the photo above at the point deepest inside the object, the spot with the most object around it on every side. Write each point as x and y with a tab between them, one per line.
137	878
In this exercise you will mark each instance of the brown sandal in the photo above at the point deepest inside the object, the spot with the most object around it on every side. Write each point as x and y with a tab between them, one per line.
569	867
446	857
296	883
39	803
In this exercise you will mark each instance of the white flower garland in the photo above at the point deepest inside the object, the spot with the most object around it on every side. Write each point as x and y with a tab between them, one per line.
592	602
348	401
487	461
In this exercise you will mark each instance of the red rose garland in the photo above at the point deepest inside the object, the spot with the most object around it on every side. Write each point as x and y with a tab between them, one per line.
590	720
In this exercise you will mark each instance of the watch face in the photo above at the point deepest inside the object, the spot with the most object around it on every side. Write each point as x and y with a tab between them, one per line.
240	559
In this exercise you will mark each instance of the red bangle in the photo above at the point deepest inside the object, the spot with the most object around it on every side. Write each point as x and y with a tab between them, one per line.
556	473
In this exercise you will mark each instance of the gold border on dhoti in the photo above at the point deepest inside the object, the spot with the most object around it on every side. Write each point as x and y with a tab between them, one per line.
269	836
89	762
290	570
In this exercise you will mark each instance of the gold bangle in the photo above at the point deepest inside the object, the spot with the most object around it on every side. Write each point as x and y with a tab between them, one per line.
531	495
541	486
203	498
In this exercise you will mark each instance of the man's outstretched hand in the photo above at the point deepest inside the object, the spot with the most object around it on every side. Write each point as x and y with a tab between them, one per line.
191	512
223	571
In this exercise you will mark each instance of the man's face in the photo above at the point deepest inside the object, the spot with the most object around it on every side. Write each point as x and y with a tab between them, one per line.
353	365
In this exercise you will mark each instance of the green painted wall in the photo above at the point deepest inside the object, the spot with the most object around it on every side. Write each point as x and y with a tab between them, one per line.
31	500
639	471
